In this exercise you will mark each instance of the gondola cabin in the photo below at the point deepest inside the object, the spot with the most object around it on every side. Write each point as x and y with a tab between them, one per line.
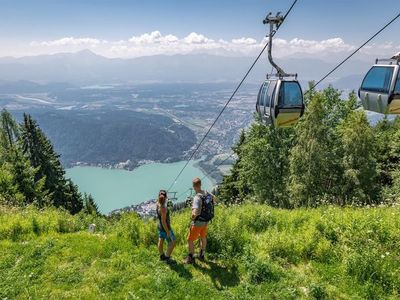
380	89
280	102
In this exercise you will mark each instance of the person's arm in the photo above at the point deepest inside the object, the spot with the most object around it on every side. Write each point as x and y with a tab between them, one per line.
195	208
195	213
164	220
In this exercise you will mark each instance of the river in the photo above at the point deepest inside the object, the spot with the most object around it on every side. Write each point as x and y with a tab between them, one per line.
113	188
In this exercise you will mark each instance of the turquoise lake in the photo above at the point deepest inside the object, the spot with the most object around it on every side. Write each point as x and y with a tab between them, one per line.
113	188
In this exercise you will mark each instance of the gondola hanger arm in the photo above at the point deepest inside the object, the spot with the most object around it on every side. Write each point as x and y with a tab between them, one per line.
274	23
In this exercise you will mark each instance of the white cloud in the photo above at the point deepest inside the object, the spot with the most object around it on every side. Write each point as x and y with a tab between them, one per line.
195	38
155	43
154	37
244	41
69	41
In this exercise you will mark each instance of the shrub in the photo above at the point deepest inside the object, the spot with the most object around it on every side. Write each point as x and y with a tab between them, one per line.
257	218
318	292
35	226
16	231
376	268
226	237
259	270
131	227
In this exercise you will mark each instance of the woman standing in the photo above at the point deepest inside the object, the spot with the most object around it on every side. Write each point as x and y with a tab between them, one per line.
164	228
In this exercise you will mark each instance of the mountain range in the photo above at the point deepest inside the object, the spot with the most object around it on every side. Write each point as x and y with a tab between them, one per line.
86	67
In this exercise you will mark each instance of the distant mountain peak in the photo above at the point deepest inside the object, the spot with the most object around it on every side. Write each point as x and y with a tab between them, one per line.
87	52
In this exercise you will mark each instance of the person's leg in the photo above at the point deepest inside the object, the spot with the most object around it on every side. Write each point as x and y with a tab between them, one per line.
161	246
203	244
203	241
171	247
191	247
171	244
192	236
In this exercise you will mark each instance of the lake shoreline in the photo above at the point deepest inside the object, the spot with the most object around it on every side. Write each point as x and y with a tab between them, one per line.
114	189
127	167
210	177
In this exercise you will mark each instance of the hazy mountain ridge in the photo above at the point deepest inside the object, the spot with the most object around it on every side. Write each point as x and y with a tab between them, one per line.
86	67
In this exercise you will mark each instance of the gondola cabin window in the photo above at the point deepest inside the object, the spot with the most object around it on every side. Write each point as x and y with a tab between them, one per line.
290	95
263	90
271	94
378	80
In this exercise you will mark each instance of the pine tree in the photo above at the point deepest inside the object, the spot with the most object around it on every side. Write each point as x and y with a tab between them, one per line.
231	190
38	148
9	132
90	206
71	198
24	178
9	194
18	166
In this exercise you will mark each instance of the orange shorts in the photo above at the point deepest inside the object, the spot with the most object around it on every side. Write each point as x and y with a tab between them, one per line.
197	231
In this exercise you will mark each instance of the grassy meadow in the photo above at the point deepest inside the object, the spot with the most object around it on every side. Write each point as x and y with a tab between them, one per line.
254	252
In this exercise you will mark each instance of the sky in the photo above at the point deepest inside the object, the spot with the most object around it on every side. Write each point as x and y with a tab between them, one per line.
122	28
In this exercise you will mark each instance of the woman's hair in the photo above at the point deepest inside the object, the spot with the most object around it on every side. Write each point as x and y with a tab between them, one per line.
162	196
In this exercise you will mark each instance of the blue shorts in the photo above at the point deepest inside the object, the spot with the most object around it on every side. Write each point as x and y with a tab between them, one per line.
163	235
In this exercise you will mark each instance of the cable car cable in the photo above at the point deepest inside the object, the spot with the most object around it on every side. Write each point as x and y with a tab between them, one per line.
208	173
258	57
354	52
229	100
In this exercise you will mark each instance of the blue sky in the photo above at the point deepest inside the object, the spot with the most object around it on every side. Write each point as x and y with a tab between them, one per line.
22	22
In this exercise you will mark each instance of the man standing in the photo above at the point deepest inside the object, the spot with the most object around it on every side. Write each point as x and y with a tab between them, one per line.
202	213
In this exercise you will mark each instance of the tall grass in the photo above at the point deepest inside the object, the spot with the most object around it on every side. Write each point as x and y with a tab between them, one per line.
254	252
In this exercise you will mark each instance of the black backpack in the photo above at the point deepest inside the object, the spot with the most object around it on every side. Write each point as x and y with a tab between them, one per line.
207	208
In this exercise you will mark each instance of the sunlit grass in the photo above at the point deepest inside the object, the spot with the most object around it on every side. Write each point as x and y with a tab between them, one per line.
254	252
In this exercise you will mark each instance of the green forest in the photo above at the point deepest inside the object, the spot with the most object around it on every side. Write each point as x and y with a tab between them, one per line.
307	212
31	171
332	156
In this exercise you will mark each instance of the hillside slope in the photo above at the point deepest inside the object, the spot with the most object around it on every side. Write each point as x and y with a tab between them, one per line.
110	137
255	252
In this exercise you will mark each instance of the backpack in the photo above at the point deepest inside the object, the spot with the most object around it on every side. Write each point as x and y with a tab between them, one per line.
207	208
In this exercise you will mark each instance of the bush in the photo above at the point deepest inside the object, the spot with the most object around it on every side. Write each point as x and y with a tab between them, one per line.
226	236
375	268
16	231
35	226
318	292
257	218
131	227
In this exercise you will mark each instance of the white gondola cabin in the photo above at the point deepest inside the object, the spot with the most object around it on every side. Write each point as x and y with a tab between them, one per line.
280	102
380	89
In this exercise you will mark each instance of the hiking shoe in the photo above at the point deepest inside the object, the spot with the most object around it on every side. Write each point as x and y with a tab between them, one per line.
163	257
189	260
169	261
200	256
